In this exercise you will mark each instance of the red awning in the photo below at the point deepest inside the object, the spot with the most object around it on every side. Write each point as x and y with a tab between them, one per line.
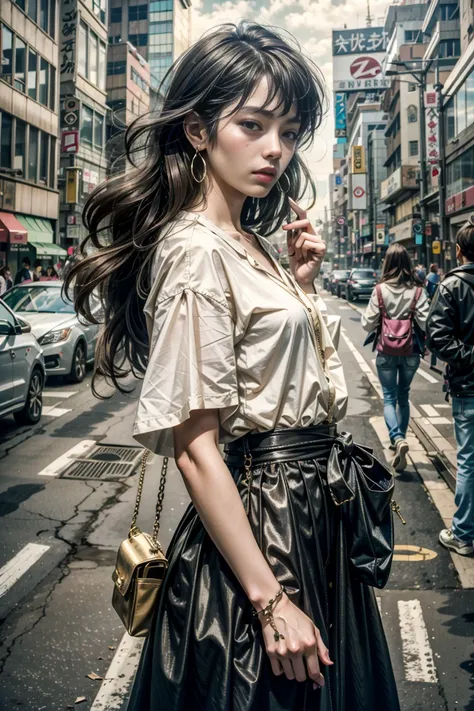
11	230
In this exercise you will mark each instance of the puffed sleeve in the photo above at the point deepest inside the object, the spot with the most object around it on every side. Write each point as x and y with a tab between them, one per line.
191	367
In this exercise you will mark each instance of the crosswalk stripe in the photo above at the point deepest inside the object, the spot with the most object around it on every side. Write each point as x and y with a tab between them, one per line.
61	462
19	564
417	654
119	675
55	411
60	394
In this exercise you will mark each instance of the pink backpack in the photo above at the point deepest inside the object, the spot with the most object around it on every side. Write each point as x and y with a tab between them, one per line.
396	335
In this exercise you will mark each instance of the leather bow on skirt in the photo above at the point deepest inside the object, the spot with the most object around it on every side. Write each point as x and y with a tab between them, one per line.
205	650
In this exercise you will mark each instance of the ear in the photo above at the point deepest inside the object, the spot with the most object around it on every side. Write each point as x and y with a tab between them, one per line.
458	253
195	130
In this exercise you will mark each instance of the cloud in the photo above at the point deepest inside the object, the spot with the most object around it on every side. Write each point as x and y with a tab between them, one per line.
311	22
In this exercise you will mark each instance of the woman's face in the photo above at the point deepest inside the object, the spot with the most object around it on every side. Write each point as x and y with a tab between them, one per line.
250	141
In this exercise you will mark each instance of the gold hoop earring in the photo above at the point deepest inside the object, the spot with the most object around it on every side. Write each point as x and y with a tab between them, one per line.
192	166
284	175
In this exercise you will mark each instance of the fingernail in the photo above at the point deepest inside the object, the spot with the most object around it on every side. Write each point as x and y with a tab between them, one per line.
316	687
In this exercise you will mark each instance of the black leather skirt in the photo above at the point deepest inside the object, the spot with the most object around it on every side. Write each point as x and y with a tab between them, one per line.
205	650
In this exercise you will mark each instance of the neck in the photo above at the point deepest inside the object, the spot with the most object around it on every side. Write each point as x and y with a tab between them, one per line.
222	205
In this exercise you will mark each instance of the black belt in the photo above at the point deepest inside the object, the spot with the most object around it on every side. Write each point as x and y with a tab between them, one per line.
286	444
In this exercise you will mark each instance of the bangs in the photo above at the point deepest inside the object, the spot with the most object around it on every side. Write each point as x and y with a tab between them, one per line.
292	81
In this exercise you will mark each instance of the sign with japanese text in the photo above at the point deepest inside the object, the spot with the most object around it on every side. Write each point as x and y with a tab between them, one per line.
366	40
362	72
67	47
340	115
358	159
432	127
70	141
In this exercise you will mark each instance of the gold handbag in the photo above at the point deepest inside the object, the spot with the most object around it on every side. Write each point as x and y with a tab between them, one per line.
140	567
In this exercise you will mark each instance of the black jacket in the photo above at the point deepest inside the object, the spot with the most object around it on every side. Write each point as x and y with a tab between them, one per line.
450	328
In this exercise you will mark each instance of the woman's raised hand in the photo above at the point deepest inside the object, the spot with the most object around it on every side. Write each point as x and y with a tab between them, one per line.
300	653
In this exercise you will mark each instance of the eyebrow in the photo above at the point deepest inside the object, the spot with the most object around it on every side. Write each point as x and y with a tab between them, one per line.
267	113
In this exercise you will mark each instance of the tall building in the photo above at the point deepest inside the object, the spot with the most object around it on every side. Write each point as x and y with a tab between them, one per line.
159	29
82	70
29	98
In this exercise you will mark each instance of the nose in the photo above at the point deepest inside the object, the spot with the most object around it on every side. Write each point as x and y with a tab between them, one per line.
273	145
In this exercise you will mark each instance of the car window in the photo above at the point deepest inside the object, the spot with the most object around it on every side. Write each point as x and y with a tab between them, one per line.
364	273
341	273
6	315
38	299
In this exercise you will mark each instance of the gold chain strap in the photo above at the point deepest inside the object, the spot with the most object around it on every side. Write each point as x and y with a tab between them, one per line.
159	502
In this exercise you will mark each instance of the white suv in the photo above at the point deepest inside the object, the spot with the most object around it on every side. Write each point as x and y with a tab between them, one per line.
22	369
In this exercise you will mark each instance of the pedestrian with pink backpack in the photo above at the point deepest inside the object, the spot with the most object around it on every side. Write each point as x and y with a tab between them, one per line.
396	321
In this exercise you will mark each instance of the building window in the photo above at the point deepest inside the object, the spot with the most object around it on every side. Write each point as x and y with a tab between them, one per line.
6	141
161	28
32	72
98	130
99	8
137	79
459	173
137	12
102	56
115	39
411	87
33	154
20	64
138	40
43	82
93	58
20	147
470	99
33	10
6	65
413	37
44	14
52	87
82	53
52	162
413	148
161	5
43	161
449	48
116	68
86	124
116	14
412	113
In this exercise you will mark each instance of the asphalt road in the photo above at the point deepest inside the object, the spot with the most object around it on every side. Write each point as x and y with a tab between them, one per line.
60	537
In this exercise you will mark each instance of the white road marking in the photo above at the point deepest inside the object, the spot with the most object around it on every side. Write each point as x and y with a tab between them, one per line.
379	603
19	564
417	653
78	450
429	410
119	675
426	376
440	421
60	394
55	411
345	308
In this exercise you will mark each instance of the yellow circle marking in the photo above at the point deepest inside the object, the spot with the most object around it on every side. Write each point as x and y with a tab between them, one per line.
414	553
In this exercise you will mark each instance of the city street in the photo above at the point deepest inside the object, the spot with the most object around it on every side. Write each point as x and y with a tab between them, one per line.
62	644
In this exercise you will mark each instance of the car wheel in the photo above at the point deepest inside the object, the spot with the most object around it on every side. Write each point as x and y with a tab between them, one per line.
350	297
31	412
78	368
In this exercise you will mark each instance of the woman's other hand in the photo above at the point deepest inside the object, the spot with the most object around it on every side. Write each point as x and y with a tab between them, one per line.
301	652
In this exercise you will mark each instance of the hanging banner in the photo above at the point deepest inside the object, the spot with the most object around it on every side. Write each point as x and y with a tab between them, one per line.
358	192
340	115
358	160
357	59
432	126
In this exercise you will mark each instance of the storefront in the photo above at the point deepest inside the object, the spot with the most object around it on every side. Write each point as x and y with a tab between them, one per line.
42	249
13	241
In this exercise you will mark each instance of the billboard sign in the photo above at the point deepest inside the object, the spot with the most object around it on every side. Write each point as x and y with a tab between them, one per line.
358	159
340	115
357	59
358	192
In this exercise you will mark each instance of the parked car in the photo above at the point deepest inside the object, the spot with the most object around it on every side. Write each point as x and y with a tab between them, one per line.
338	277
361	282
68	344
326	278
22	369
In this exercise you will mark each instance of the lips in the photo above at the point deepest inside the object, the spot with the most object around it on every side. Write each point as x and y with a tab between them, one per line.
266	171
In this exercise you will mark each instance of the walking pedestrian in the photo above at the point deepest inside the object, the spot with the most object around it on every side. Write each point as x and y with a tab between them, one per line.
432	281
398	297
25	273
6	282
450	334
420	272
260	608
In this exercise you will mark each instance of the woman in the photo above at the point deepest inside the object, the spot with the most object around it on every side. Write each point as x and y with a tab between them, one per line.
6	282
194	298
399	291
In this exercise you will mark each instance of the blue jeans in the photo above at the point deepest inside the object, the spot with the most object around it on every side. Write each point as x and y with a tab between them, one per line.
395	375
463	519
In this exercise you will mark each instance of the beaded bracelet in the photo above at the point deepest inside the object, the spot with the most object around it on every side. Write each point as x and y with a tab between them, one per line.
268	613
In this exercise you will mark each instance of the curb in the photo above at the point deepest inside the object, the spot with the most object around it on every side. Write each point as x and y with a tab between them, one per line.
437	447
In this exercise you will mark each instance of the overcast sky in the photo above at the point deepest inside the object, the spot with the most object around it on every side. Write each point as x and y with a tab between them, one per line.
311	22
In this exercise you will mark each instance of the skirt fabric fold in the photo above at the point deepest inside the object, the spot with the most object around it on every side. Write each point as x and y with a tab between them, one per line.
205	649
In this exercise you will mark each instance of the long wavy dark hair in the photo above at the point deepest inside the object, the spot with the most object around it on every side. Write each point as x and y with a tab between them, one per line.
126	214
397	266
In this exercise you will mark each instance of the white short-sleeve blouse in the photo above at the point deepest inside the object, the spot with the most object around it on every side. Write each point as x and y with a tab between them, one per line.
225	333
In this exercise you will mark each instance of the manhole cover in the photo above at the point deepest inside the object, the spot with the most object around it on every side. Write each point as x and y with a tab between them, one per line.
104	462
